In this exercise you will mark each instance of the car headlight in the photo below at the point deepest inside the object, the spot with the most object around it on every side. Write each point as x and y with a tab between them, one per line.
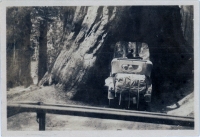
125	67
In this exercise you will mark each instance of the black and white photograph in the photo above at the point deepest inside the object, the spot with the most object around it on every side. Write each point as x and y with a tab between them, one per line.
106	67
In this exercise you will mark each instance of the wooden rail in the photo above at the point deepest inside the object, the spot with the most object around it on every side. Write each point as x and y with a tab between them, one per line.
96	112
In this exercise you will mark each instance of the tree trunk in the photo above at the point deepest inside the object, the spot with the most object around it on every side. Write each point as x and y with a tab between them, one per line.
42	60
71	68
187	17
18	47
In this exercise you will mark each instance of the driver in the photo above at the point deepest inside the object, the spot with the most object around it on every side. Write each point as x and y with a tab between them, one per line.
130	54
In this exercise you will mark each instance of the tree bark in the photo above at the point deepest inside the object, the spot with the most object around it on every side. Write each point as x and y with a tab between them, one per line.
71	68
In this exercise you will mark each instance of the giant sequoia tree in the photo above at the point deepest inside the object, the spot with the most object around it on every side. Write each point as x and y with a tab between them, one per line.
83	63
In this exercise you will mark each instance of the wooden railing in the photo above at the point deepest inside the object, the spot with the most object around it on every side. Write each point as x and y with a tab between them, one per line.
96	112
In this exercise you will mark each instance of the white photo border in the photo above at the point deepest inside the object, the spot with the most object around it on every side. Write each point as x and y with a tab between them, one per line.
8	3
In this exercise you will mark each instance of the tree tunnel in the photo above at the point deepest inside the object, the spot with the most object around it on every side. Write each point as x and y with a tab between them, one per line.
160	28
86	40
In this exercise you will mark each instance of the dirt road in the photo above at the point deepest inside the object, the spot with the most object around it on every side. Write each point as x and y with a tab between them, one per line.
27	121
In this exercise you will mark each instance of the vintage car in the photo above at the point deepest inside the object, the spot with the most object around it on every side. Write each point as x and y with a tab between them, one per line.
130	78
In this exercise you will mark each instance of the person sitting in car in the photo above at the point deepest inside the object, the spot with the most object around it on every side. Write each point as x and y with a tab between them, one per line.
130	55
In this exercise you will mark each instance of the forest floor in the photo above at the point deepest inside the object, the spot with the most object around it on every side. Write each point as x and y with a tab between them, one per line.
180	102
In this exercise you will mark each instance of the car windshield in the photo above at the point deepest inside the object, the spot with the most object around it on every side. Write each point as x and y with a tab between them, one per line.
124	48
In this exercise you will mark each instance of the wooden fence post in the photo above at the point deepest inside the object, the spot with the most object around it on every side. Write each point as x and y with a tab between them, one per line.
41	116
